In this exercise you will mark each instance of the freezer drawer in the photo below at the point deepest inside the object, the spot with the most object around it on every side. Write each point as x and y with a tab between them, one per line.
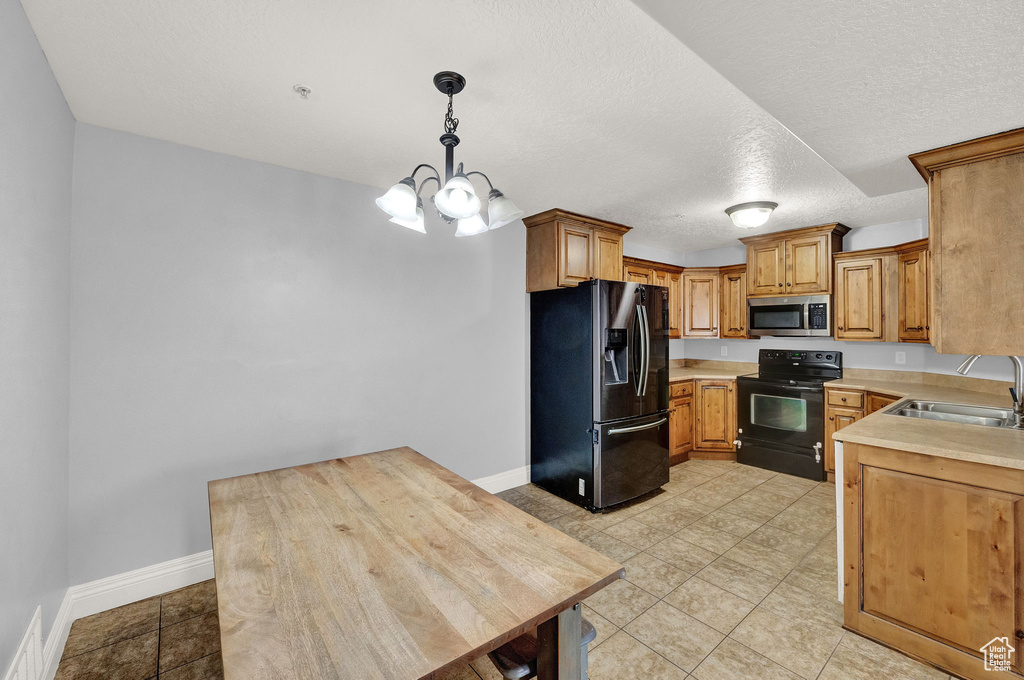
630	458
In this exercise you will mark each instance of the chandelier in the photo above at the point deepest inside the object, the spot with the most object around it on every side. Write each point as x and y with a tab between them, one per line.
455	200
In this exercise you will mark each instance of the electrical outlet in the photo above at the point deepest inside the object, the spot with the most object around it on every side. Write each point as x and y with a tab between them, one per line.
725	351
901	358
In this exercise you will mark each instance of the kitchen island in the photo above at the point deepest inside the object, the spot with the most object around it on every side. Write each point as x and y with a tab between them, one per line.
931	522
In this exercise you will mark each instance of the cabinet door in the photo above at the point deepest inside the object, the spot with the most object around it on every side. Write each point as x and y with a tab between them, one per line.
681	429
766	269
575	254
914	307
859	299
940	556
675	305
835	420
808	267
876	402
638	274
734	305
607	256
659	278
700	305
716	415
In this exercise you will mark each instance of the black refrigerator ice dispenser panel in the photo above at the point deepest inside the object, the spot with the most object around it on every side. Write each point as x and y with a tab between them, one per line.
615	353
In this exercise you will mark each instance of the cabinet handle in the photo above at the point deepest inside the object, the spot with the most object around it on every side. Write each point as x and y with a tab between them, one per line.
916	328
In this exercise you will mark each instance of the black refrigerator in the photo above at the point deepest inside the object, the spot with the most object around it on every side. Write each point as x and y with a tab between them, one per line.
599	420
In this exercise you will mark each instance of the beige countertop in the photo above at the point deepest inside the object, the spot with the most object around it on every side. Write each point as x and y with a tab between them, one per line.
677	373
974	443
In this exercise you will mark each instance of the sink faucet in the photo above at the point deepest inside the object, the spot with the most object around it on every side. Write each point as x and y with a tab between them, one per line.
1017	391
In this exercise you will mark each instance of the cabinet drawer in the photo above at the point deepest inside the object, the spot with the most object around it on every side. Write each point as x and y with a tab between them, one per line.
880	401
845	398
681	389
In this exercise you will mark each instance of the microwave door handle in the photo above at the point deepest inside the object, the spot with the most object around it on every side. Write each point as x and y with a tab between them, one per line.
807	317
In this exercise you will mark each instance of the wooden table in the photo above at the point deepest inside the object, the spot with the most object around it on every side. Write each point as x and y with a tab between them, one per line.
388	566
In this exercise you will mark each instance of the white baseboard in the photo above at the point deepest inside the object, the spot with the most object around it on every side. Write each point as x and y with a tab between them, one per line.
28	660
114	591
504	480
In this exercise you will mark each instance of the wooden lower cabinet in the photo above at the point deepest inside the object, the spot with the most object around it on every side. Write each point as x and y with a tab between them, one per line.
934	556
715	421
844	407
680	429
835	420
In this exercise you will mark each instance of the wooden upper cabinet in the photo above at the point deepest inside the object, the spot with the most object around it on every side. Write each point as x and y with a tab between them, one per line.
794	262
914	284
564	248
865	295
715	424
766	268
607	255
808	260
575	254
675	301
659	274
733	293
976	194
637	274
700	303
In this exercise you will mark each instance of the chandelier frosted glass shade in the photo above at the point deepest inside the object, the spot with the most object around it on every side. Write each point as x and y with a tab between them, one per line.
500	210
457	199
400	201
471	226
751	215
416	224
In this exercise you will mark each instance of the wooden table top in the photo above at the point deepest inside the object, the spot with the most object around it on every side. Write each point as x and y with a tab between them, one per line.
384	565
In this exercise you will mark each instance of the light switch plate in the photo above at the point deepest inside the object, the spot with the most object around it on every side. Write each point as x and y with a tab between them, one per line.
901	358
725	351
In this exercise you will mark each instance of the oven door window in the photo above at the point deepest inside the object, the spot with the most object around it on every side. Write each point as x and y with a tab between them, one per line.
777	317
779	413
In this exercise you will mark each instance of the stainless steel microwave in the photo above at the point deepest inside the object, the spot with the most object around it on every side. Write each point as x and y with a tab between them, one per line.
803	315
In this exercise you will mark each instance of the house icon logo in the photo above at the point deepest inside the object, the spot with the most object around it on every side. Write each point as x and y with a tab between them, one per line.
998	653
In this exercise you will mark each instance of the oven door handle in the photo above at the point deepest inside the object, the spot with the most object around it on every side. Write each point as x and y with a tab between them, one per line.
756	389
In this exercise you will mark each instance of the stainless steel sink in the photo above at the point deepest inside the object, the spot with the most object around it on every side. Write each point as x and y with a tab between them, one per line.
966	414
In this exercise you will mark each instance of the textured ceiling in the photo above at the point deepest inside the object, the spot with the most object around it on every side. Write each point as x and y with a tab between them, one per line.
588	105
866	83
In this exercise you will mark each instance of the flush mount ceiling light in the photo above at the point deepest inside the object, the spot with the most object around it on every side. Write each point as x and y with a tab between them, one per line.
751	215
456	199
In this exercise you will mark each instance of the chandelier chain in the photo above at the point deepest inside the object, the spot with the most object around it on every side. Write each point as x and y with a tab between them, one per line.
451	123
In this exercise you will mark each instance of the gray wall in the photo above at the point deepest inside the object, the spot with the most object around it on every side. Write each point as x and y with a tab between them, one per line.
231	316
36	139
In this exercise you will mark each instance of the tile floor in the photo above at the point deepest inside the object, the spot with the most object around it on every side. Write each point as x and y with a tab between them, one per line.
174	636
730	574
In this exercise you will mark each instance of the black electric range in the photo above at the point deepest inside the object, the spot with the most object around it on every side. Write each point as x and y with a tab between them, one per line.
781	411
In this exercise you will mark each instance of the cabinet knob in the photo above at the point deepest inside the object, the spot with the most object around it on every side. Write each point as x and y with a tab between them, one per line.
843	398
1020	634
789	284
780	284
831	418
840	328
927	327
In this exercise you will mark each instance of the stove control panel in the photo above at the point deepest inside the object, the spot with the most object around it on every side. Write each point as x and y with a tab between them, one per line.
799	360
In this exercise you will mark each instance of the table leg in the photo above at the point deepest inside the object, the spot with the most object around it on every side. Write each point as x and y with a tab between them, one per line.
559	637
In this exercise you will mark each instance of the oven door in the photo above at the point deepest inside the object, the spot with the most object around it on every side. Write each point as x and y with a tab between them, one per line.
776	317
782	412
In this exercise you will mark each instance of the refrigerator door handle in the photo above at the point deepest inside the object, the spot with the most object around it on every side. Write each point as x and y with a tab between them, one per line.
647	351
637	353
638	428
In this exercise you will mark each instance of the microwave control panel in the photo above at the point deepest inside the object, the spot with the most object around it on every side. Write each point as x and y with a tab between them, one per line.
818	315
